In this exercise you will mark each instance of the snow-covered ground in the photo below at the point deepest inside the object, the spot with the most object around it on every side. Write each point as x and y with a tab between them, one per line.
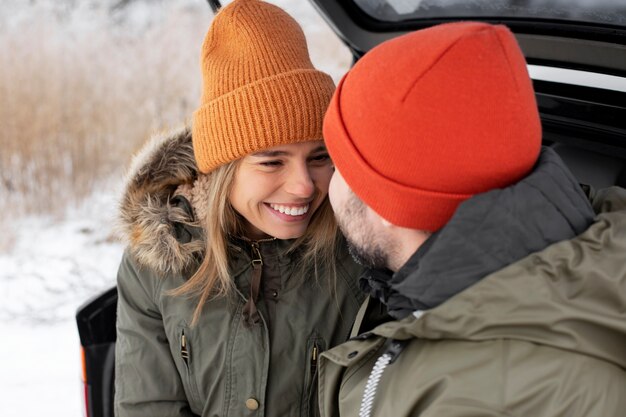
50	265
55	263
40	373
52	268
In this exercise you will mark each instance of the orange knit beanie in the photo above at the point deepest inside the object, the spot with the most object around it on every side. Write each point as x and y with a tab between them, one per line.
427	120
260	88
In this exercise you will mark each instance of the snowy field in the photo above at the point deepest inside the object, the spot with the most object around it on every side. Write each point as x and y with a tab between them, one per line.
51	264
53	267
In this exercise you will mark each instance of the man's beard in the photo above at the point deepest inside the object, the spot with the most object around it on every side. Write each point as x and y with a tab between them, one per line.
370	256
364	247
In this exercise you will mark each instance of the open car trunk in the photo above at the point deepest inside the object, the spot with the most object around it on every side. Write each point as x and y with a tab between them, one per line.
576	54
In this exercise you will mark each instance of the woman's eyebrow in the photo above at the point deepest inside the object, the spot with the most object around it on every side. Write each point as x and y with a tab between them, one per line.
273	154
270	154
319	149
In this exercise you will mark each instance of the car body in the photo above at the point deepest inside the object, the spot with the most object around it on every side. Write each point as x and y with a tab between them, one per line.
576	54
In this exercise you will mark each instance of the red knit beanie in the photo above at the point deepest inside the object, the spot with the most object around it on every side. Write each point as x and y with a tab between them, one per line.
427	120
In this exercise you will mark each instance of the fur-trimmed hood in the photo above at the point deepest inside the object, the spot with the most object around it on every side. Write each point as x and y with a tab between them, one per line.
154	221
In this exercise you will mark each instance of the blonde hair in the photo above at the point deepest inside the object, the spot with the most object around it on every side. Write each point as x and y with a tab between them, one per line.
316	248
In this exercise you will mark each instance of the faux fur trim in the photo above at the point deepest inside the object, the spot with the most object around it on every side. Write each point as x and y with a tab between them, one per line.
147	217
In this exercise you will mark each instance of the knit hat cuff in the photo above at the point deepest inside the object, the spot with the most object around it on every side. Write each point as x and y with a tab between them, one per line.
285	108
400	204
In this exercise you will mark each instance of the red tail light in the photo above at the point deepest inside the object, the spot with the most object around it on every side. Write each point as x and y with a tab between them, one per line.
84	380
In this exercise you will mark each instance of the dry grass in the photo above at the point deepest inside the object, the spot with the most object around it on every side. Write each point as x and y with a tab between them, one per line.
75	103
77	97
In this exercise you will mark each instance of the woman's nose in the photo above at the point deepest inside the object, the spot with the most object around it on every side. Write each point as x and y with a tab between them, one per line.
300	183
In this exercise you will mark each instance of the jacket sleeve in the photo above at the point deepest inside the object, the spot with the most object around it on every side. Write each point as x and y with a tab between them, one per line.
147	382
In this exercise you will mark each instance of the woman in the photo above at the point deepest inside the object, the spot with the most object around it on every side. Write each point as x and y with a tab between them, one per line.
235	277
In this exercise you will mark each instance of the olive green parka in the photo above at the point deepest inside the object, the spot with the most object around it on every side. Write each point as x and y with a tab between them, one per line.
221	366
517	309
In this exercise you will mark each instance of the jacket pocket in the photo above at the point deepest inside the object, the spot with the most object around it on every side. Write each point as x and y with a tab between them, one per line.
309	407
186	358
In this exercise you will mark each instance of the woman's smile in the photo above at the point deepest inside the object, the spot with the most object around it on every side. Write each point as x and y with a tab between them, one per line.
289	212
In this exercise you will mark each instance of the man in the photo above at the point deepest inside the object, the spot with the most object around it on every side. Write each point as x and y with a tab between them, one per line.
507	290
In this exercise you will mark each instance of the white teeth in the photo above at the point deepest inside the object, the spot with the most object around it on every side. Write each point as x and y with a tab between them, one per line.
291	211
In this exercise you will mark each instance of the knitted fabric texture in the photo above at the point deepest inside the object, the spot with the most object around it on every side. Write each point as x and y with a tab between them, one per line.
260	88
425	121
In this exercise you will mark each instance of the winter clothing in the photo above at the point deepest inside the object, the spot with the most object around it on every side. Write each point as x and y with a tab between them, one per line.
254	61
406	126
219	367
516	308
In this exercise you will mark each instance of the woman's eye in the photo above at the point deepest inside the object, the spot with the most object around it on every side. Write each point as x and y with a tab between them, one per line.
271	163
321	158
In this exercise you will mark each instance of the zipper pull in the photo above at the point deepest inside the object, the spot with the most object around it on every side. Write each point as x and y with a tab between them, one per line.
395	348
314	353
257	260
184	352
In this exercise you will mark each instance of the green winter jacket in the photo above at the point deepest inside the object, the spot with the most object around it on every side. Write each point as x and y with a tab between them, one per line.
219	367
544	335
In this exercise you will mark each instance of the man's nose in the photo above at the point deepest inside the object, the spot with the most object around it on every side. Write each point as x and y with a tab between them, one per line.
300	183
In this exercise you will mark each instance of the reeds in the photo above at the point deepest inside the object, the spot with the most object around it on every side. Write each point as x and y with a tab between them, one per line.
76	102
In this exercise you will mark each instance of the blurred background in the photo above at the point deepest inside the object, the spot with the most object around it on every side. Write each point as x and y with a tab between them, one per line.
83	83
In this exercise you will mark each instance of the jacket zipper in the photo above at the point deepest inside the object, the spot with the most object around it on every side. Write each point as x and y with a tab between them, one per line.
310	388
184	351
394	348
314	353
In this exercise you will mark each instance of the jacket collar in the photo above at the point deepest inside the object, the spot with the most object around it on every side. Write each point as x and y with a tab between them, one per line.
487	233
161	232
